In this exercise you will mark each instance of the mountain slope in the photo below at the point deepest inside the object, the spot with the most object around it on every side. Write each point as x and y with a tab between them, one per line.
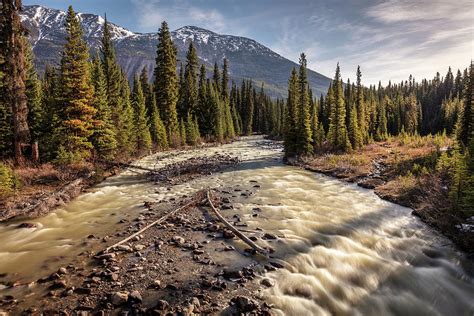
247	58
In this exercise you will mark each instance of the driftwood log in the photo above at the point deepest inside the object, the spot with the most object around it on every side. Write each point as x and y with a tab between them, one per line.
233	229
193	202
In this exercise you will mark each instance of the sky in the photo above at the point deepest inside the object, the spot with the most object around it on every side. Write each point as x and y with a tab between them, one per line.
389	39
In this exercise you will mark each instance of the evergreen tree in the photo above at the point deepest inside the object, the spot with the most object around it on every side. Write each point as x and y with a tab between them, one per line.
305	140
355	134
126	131
466	123
157	128
166	83
192	130
337	134
216	77
225	81
75	128
13	96
34	102
291	116
141	130
103	137
381	132
189	90
182	131
361	108
216	112
203	113
114	82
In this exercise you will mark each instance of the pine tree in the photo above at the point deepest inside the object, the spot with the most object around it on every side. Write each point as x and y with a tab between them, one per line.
12	50
216	77
361	108
305	140
192	130
355	134
76	115
225	81
466	121
103	137
166	83
182	132
157	128
216	112
34	102
381	132
126	130
141	130
189	90
291	116
337	134
114	82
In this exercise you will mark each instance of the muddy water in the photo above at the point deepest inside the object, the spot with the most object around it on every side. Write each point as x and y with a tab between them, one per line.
344	250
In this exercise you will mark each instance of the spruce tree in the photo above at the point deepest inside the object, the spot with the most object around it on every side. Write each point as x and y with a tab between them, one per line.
12	50
157	128
355	134
291	116
192	130
114	81
305	140
216	77
216	112
34	98
103	137
381	132
182	132
190	79
166	83
337	134
126	130
225	81
361	108
76	94
203	113
141	131
466	121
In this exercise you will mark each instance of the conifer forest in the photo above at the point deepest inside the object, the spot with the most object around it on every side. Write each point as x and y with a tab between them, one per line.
214	176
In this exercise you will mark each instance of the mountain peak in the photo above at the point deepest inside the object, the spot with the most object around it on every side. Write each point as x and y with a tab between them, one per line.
247	58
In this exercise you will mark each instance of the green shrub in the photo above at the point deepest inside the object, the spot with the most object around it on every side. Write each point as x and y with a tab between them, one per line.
9	182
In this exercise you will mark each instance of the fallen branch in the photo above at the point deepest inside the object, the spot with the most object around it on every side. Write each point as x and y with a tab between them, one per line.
233	229
158	221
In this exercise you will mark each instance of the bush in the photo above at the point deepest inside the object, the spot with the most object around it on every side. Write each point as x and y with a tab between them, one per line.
9	182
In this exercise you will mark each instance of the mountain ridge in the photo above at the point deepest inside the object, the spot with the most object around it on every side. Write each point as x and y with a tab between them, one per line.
248	59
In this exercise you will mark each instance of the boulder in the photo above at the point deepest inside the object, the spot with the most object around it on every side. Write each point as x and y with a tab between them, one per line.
119	298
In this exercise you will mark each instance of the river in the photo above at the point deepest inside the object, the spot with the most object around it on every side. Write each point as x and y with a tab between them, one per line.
344	250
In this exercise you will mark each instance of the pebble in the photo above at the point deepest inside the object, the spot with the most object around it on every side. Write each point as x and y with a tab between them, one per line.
268	282
135	296
119	298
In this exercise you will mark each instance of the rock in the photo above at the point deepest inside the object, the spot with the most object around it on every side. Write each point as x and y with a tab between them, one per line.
269	236
226	207
106	256
195	301
26	225
232	274
62	270
113	276
226	200
244	304
135	296
268	282
227	234
83	290
156	284
178	240
119	298
139	247
229	248
162	305
124	248
59	284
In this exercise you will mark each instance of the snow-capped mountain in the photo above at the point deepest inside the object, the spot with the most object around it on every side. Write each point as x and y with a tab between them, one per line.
247	58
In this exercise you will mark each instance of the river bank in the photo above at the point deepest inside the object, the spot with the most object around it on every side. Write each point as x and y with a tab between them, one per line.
335	248
405	174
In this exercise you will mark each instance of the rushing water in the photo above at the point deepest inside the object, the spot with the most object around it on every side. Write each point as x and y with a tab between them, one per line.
344	250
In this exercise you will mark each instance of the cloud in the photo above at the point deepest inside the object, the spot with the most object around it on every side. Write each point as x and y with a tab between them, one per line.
177	14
